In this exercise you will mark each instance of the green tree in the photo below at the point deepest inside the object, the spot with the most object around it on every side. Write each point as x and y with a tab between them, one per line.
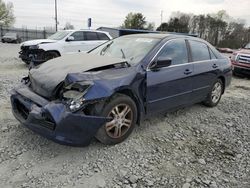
6	14
179	22
150	26
134	21
162	27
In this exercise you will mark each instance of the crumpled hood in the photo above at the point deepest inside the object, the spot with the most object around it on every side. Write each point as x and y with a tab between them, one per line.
36	42
50	74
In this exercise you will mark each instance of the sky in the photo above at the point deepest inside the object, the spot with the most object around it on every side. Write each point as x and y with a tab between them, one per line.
111	13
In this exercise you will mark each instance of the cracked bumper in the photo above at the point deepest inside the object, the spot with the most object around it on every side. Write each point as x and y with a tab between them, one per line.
53	120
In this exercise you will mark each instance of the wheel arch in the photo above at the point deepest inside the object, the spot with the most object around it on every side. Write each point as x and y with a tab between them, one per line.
223	79
133	96
56	51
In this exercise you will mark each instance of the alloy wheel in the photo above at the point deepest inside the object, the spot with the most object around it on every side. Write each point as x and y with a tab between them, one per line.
122	118
216	92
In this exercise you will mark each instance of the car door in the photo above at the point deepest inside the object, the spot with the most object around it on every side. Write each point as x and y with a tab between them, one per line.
75	45
205	69
91	40
170	87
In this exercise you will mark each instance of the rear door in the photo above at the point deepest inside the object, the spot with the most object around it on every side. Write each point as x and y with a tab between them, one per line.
91	40
170	87
205	69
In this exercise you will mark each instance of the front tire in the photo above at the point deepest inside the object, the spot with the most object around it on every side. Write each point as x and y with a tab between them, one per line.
215	94
123	113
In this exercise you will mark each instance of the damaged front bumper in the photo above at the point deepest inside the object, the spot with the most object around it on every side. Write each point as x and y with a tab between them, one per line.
32	55
52	119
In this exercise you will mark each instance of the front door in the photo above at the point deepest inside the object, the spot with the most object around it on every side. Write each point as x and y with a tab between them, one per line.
171	86
76	44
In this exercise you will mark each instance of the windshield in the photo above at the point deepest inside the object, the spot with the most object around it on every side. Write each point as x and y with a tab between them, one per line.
133	49
59	35
247	46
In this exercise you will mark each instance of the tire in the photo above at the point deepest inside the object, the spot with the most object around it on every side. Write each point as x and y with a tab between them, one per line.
51	55
215	94
118	129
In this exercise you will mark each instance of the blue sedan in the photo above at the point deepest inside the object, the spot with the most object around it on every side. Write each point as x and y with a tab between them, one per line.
104	93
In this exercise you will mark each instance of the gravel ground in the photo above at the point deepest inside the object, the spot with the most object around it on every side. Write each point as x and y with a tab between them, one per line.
192	147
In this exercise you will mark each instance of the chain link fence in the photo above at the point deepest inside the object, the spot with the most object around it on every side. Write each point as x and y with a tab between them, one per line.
26	34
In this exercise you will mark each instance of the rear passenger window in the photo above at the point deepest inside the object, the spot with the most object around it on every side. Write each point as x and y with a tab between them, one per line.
102	36
212	54
199	51
78	36
175	50
91	36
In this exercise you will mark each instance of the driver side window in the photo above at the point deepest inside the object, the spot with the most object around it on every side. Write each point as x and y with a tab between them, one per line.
78	36
176	50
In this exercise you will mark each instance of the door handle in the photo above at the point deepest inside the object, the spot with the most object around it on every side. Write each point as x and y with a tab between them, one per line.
215	66
187	72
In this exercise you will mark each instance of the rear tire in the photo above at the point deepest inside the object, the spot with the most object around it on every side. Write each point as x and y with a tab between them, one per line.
215	94
123	111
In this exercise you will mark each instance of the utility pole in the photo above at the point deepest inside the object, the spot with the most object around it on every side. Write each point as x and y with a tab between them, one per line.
161	19
56	13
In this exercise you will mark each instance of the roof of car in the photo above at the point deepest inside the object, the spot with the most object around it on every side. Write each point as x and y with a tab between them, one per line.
159	35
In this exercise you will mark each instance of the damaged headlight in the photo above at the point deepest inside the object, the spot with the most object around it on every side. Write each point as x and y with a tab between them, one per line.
74	94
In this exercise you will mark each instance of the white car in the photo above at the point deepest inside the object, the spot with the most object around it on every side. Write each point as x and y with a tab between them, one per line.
60	43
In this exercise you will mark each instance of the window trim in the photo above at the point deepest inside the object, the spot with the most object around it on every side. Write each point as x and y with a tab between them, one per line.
99	33
157	53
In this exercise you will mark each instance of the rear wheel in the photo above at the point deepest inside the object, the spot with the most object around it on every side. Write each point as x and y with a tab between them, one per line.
122	111
215	94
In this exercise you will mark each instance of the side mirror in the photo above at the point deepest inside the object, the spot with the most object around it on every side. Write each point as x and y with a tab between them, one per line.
70	38
161	62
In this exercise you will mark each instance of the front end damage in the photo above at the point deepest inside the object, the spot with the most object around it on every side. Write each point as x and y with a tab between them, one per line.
53	119
64	106
29	54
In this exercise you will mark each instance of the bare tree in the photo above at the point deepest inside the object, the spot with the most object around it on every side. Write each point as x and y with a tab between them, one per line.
69	26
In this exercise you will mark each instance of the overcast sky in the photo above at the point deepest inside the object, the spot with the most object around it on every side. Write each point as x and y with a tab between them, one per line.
111	13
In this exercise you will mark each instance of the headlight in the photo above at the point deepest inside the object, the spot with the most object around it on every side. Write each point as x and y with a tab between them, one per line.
33	47
74	94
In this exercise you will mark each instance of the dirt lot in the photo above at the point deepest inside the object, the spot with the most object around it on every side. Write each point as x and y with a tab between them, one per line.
192	147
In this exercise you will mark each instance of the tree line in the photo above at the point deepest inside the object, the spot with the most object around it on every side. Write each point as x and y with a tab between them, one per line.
219	29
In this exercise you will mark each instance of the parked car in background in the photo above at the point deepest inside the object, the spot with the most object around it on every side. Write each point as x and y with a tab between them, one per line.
11	38
241	61
62	42
225	50
104	93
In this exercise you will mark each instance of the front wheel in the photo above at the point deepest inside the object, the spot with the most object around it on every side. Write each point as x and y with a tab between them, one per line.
215	94
122	111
